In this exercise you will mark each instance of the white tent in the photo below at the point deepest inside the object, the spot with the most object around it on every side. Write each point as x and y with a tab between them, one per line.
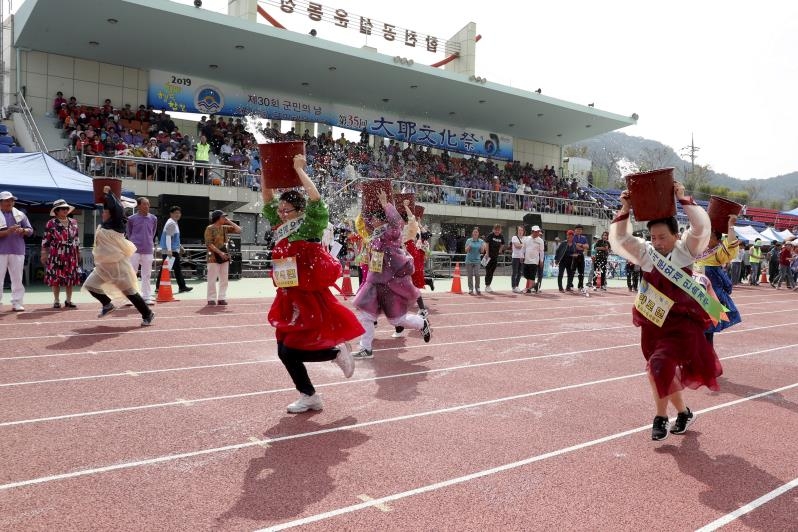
786	234
772	235
746	233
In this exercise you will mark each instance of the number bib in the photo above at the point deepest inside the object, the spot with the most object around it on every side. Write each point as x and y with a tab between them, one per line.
375	261
285	273
653	304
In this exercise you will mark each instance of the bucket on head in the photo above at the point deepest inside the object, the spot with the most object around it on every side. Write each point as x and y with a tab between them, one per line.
398	202
371	194
99	183
719	210
652	194
277	163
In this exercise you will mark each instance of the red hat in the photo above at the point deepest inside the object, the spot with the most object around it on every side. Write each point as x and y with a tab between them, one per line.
570	232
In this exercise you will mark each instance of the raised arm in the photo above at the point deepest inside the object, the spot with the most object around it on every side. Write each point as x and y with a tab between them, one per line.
696	238
621	239
299	165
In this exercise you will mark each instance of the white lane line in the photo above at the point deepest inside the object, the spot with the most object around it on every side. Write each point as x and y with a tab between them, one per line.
221	365
137	330
326	385
136	373
753	505
132	349
119	319
494	470
366	498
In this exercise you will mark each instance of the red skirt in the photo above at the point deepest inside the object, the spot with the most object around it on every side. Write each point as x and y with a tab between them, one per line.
308	316
418	263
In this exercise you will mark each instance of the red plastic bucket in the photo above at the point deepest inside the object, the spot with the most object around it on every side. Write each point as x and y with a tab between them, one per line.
371	194
652	194
719	210
398	202
277	163
99	183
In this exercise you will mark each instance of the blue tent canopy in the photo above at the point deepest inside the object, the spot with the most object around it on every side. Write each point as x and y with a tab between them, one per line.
793	212
37	178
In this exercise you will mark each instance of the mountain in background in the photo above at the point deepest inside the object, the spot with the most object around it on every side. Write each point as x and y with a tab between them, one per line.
612	151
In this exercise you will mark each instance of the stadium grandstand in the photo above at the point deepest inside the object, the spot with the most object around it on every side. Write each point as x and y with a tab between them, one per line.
79	91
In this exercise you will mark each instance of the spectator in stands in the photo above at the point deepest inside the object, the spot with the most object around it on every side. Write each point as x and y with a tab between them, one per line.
202	156
59	103
14	229
141	231
216	236
60	252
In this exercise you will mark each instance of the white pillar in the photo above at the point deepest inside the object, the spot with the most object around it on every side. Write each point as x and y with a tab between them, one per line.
246	9
466	63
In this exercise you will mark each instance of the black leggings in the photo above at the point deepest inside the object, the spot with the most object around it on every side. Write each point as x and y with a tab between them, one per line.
136	299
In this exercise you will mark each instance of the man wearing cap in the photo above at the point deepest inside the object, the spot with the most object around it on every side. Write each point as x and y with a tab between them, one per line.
141	231
218	255
170	247
14	229
534	249
756	261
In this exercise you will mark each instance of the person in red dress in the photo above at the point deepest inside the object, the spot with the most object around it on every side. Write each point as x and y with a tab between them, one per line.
311	325
60	253
677	353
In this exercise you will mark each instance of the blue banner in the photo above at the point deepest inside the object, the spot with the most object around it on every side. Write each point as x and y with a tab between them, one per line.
190	94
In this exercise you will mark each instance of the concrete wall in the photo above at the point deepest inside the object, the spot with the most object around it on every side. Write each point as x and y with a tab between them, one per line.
91	82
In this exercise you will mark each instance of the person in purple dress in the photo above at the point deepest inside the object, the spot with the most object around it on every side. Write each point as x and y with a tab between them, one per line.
389	285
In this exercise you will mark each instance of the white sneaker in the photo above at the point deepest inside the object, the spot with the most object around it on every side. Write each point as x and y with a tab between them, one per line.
305	403
16	307
488	289
344	360
398	334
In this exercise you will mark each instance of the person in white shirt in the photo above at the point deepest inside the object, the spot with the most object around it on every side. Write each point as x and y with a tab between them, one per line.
534	249
517	244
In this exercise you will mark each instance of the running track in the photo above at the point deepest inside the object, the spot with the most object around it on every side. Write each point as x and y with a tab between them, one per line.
523	413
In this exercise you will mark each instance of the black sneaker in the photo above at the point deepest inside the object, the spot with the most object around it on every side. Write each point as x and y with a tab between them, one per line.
431	284
147	321
426	331
186	289
683	421
659	431
106	310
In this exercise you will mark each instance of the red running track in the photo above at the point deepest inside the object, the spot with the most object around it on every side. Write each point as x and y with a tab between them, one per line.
524	412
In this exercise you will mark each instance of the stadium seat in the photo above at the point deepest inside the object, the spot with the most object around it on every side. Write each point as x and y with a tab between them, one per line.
3	129
4	149
7	140
17	149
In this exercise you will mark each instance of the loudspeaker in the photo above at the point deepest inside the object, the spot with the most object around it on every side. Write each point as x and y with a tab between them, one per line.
531	219
192	206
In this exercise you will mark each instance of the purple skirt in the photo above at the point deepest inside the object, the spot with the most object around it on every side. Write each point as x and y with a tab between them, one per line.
393	298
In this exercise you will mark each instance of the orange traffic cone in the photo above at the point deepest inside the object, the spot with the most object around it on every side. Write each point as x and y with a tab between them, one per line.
165	294
346	285
456	289
763	279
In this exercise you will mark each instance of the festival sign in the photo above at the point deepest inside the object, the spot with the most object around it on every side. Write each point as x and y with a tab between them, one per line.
190	94
341	18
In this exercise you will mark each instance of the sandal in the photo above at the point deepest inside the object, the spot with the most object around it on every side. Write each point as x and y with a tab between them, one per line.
56	305
69	304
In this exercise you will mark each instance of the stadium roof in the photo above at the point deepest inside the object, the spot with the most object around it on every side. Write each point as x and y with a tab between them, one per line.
157	34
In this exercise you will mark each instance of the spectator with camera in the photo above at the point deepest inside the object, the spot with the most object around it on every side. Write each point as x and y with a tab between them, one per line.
218	255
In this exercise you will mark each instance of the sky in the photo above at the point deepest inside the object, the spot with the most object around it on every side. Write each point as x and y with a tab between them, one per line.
722	71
